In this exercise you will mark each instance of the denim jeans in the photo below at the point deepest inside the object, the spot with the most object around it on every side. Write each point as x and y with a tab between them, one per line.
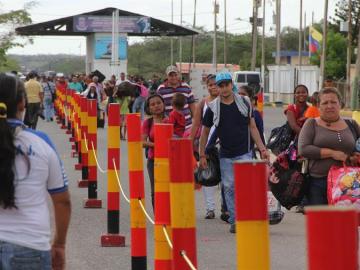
317	194
227	178
48	108
15	257
139	106
209	197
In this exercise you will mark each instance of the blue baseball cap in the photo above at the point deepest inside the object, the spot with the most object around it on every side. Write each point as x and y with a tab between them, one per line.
223	77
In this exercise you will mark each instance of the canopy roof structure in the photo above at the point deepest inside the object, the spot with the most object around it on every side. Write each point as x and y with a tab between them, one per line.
65	26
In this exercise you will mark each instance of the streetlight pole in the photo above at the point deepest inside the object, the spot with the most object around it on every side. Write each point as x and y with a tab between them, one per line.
180	41
348	61
216	10
356	81
300	43
254	34
277	59
263	46
225	36
172	39
193	41
323	49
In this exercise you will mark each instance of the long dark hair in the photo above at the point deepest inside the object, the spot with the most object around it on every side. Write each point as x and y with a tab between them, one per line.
12	92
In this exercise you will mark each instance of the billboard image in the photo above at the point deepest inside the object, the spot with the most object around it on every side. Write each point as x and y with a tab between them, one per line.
127	24
103	47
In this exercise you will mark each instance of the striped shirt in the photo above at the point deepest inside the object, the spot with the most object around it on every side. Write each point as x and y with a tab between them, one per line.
167	92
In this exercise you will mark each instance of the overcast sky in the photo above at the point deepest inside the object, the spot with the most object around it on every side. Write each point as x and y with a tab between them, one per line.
159	9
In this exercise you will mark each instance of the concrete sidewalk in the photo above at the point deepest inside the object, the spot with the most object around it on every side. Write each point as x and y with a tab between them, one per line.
216	246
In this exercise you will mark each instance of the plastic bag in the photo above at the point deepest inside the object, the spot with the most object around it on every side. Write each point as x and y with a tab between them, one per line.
280	139
210	176
344	186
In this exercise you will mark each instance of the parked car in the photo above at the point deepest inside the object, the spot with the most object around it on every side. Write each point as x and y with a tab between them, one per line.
250	78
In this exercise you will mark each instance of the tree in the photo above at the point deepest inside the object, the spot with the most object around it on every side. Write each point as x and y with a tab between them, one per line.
8	22
341	14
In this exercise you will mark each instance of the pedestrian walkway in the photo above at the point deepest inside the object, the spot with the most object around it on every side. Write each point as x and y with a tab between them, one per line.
216	247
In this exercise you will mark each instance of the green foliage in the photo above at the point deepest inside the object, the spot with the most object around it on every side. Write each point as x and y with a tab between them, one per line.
8	65
8	22
153	55
341	14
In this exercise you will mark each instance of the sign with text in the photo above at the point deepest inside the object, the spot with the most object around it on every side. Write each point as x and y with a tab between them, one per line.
127	24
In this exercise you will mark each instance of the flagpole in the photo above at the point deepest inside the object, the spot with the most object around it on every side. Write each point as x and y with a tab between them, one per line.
323	48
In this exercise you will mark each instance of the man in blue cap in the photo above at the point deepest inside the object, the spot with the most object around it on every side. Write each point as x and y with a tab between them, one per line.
233	118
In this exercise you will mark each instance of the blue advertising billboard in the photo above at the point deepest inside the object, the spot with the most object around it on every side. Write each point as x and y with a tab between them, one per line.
103	46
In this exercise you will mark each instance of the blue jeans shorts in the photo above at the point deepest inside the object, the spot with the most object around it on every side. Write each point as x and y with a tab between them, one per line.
15	257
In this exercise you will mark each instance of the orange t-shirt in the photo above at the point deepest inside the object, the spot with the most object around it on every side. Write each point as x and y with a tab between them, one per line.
312	112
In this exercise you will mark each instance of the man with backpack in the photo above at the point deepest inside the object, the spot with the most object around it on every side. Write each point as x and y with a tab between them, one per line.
233	118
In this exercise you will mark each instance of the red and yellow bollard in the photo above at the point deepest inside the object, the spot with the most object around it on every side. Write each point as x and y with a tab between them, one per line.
182	200
92	201
83	182
137	192
112	238
68	110
252	226
75	126
332	238
162	133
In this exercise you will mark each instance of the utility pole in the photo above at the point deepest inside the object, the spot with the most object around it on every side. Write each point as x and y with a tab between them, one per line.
263	46
356	81
304	38
193	37
172	39
225	36
348	62
323	48
277	59
300	43
180	41
254	34
216	11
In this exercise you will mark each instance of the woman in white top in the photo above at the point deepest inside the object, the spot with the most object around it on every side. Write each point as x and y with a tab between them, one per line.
30	168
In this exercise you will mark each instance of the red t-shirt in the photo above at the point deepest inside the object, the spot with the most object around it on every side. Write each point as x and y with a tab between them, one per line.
178	120
298	112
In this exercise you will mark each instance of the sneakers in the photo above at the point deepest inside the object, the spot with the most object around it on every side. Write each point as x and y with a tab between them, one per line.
210	214
232	228
225	217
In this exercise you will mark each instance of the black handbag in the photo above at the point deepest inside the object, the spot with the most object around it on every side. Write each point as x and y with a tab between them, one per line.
210	176
280	138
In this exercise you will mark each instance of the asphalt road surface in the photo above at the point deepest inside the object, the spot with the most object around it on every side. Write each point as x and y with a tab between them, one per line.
216	247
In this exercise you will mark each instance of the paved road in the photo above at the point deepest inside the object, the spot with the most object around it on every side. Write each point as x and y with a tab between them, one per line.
216	246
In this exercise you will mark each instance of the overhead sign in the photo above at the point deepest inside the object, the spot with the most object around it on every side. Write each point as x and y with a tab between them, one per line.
127	24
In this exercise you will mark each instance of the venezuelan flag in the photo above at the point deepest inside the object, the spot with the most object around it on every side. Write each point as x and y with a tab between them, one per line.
315	38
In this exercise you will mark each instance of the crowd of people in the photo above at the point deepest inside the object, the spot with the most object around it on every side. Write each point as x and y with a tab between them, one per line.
227	119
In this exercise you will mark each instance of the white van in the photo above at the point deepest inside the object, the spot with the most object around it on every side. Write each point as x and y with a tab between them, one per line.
250	78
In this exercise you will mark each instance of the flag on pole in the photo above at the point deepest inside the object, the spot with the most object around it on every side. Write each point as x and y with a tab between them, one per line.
315	38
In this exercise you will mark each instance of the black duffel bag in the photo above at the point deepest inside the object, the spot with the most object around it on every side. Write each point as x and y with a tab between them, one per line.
210	176
286	181
280	138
